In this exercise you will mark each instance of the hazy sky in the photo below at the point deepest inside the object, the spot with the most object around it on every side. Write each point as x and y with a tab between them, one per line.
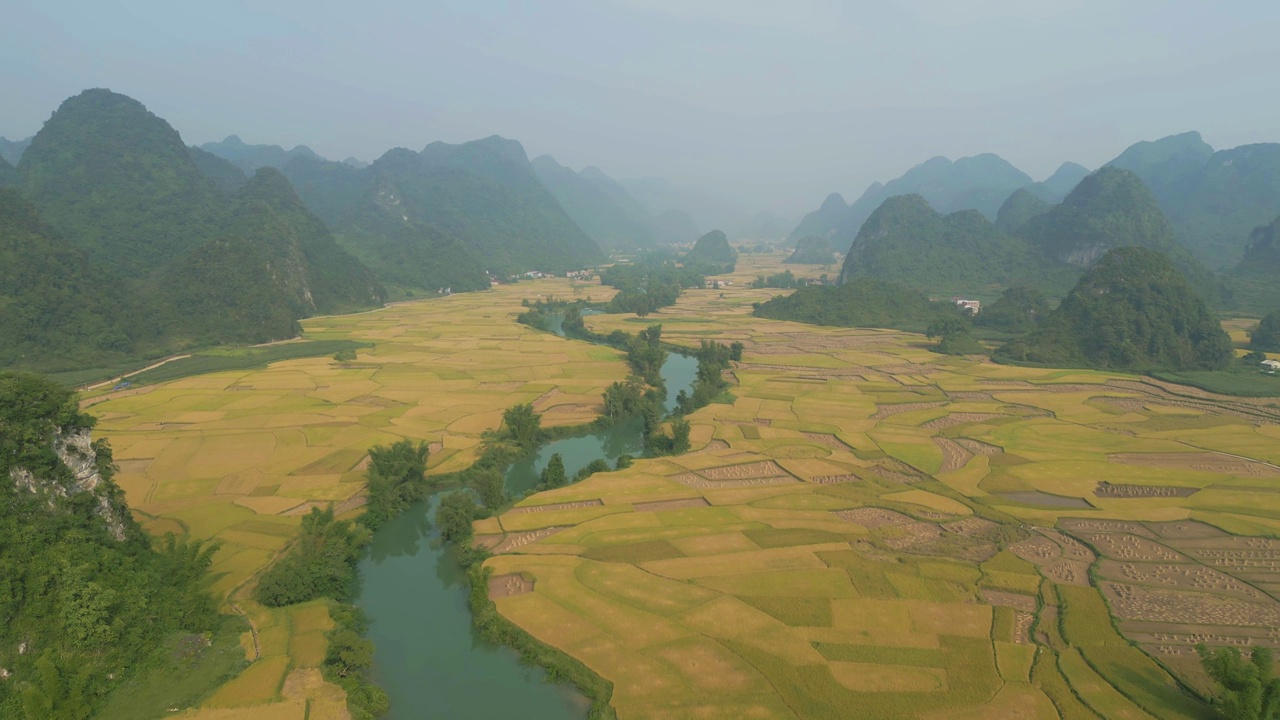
774	103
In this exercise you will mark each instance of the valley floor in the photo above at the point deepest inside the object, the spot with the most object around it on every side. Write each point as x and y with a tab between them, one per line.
869	525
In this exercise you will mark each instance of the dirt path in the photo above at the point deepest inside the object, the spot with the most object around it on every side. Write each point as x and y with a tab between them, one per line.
253	631
152	366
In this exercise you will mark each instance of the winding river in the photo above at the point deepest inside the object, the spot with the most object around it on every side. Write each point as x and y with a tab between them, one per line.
428	657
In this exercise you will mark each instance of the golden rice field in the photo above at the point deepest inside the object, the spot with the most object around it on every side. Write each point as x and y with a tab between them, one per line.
872	526
237	457
869	527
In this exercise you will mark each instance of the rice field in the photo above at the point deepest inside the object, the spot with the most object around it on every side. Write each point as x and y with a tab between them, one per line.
868	525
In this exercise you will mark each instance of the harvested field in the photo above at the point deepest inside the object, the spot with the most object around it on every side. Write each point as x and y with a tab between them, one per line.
1038	550
507	585
524	509
515	541
960	419
886	411
657	505
1203	462
1025	603
1112	490
954	456
978	447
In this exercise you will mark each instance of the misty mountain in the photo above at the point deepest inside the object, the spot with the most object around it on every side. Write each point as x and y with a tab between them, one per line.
1132	310
1021	206
1111	208
981	183
823	221
812	250
227	177
707	209
441	217
1063	180
251	157
675	227
8	174
765	226
711	254
1213	199
125	203
11	150
600	206
906	241
1256	280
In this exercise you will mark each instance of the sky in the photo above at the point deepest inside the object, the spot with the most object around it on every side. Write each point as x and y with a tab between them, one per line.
771	105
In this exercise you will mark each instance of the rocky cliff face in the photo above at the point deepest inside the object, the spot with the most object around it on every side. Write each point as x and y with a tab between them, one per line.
77	453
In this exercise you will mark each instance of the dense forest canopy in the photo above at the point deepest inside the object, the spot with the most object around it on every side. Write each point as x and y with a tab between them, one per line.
812	250
85	596
862	302
1132	311
711	254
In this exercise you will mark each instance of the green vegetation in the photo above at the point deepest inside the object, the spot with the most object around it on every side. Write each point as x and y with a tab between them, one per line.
1018	210
709	384
1252	284
1131	311
250	158
812	250
347	663
396	478
141	253
322	564
711	255
862	302
907	242
598	204
1266	336
1018	310
1247	689
553	475
783	280
954	337
1235	380
221	359
86	599
646	287
522	426
456	512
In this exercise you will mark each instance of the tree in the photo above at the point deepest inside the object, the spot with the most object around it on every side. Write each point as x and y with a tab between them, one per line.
735	351
1266	336
491	486
397	476
523	425
457	511
1247	688
553	475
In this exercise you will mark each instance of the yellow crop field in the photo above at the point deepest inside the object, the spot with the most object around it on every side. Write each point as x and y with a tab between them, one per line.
866	524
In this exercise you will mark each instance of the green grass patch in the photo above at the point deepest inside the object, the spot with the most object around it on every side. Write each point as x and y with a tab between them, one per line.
1084	618
1138	678
793	611
634	552
186	673
1046	676
1241	383
222	359
790	537
881	655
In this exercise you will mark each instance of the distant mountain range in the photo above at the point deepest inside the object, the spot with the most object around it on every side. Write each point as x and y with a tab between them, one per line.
599	205
11	150
1031	243
1212	200
127	248
251	157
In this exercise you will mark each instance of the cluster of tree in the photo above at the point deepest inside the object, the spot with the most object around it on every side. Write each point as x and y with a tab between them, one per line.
1248	689
1265	337
812	250
711	255
647	287
713	359
396	478
646	355
783	280
1019	309
348	660
1252	285
1133	310
955	337
322	564
86	597
861	302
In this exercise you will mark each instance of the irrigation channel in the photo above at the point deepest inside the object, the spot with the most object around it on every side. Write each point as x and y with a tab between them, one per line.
428	657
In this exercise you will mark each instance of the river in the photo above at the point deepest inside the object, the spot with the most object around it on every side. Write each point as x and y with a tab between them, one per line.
428	657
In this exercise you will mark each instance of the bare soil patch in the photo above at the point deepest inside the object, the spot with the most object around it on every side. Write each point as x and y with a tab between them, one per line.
1180	576
1038	549
1079	525
1025	603
1205	462
830	441
515	541
1120	490
657	505
764	468
501	586
556	506
833	479
885	411
1043	499
1068	572
961	419
1123	546
977	447
954	456
972	527
1136	602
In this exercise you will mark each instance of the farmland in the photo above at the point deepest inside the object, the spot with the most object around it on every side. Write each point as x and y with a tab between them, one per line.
868	524
873	525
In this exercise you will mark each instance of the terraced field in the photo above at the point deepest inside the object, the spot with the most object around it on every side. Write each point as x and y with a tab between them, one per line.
237	457
870	525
